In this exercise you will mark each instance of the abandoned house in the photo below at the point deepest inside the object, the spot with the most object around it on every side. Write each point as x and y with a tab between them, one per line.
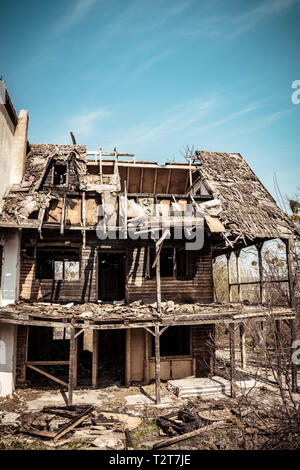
114	267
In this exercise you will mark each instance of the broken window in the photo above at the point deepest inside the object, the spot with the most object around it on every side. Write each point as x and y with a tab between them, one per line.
166	262
175	341
58	264
173	263
60	174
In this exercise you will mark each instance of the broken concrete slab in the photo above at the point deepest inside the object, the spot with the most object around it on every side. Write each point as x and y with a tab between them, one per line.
10	418
109	440
140	399
205	387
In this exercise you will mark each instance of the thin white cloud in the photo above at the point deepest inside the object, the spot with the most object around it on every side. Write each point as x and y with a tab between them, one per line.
85	125
178	119
264	121
74	15
148	63
247	21
241	22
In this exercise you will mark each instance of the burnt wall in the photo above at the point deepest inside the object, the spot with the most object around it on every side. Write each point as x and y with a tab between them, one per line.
198	287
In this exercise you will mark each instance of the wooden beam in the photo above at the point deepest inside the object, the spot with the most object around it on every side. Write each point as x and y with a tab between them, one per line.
243	346
71	366
232	358
278	343
293	366
259	247
62	220
157	364
168	182
95	358
158	283
128	357
238	274
75	370
229	276
155	181
46	374
188	435
146	358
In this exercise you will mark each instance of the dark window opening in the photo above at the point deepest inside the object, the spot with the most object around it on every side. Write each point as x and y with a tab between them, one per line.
166	262
175	341
181	264
173	263
58	264
60	175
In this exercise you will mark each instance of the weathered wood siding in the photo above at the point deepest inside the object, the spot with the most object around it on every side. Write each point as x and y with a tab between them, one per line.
199	288
82	290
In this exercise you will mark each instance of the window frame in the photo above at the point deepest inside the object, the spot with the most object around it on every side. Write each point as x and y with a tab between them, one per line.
64	258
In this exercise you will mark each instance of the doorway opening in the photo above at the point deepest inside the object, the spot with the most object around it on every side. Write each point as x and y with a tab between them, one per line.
111	276
111	357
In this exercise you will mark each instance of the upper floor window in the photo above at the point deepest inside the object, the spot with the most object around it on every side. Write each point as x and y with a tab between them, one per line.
173	263
60	174
58	264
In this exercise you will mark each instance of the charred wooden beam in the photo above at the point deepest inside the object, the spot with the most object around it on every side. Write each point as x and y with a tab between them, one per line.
157	364
95	358
232	358
71	366
243	345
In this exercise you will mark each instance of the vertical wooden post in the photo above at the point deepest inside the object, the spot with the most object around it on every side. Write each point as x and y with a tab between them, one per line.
146	358
293	366
158	284
279	350
243	346
157	364
75	368
292	302
95	358
128	357
232	358
238	274
71	366
229	276
260	268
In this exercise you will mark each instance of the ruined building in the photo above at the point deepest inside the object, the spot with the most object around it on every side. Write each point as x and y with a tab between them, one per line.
115	262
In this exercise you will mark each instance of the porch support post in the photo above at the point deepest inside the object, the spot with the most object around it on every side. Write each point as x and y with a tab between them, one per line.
95	358
75	370
294	324
128	357
157	364
238	274
232	358
71	366
243	346
146	358
158	285
279	350
229	276
259	247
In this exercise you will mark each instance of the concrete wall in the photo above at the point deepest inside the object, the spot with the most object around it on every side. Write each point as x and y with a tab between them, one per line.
6	141
7	358
13	145
10	267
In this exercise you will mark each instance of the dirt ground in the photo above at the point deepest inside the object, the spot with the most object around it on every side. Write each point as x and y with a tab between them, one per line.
127	417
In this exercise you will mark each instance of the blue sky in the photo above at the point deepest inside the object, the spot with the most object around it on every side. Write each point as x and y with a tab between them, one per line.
151	77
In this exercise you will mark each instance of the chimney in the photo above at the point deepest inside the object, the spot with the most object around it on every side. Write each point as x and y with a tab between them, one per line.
18	151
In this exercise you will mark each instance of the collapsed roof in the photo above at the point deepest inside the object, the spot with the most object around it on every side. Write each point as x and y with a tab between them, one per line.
240	203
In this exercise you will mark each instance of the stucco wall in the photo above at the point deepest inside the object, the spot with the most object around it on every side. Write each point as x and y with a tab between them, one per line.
7	358
6	141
